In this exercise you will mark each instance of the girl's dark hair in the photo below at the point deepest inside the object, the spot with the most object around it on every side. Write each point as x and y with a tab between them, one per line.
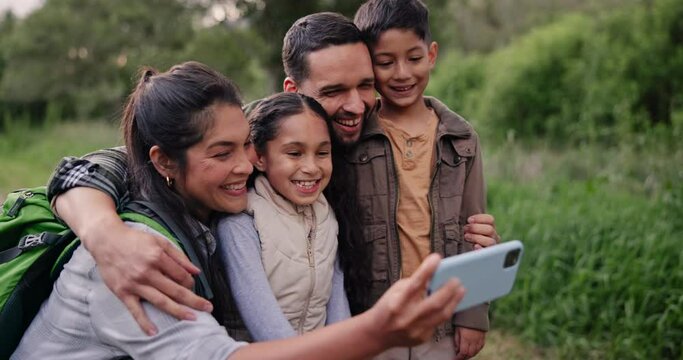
354	254
265	118
267	115
173	110
264	121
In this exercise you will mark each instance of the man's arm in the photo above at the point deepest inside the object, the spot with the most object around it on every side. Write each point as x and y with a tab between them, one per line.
134	265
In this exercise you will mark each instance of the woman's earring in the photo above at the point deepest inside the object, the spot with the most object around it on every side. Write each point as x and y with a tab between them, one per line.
169	182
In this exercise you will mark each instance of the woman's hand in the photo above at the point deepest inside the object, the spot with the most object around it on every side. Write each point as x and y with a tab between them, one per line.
406	316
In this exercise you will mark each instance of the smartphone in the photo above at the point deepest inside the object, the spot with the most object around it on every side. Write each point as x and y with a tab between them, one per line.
486	274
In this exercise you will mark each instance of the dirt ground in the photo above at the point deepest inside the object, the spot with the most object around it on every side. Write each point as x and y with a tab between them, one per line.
500	345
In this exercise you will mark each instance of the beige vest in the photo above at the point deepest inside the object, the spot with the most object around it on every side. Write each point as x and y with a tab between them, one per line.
298	250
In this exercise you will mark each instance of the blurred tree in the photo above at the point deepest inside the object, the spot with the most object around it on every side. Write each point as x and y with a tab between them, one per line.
82	53
235	53
7	23
271	20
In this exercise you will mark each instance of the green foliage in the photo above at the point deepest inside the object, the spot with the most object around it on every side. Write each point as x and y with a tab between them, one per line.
28	154
601	276
458	80
583	78
232	52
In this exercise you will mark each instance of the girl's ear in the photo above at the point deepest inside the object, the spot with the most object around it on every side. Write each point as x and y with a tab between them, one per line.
261	163
433	53
162	163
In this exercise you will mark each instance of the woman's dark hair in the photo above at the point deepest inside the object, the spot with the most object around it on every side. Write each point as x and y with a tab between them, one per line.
264	121
173	110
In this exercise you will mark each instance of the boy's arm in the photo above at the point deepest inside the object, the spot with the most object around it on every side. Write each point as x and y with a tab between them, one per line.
471	325
134	265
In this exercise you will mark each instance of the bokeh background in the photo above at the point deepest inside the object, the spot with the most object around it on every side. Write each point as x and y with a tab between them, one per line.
579	104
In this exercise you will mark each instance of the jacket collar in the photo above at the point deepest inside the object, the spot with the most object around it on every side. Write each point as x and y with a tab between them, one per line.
450	123
263	188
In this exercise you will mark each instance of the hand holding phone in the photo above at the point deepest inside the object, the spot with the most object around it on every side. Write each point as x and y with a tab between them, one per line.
486	274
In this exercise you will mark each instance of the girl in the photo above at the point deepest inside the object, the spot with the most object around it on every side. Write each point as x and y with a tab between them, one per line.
281	254
187	143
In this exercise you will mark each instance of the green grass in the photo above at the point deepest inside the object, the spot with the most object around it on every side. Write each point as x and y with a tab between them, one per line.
601	277
29	155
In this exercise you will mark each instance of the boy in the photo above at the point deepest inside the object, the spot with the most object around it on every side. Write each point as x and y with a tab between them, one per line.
425	164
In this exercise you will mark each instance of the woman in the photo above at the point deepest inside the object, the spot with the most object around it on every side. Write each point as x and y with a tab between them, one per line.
187	145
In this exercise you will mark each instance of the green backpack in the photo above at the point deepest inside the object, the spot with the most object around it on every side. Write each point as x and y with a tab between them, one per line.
34	246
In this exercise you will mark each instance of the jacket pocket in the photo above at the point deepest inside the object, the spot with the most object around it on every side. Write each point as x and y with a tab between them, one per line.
370	164
453	171
376	246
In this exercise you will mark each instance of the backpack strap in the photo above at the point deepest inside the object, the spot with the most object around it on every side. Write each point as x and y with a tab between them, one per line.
156	214
27	242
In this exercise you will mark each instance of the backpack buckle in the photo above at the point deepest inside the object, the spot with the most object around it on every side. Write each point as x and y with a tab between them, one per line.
32	240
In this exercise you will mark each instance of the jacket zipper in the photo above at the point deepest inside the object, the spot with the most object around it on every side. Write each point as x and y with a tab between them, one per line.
440	331
396	275
311	267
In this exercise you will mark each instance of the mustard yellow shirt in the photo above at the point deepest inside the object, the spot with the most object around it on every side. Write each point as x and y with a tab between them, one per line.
413	159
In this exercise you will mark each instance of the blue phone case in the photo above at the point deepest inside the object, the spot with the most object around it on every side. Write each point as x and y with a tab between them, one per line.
482	272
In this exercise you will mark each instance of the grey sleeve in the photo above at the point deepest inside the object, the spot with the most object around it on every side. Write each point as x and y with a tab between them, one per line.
240	250
202	338
338	305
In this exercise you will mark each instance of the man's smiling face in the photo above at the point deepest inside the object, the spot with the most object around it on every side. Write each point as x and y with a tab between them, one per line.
340	78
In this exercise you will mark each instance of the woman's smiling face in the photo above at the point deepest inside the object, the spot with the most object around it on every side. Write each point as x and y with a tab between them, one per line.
217	168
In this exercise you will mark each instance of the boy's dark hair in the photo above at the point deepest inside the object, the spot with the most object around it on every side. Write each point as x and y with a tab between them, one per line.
377	16
311	33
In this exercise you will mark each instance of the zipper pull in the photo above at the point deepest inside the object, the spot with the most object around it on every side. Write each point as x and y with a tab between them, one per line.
14	210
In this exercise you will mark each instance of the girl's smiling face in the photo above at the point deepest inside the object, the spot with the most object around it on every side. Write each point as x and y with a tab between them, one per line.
298	161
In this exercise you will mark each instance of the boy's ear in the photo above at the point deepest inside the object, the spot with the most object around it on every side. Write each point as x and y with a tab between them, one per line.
289	85
432	53
162	163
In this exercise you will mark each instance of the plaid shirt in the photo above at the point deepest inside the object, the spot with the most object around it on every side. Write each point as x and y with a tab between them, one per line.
104	170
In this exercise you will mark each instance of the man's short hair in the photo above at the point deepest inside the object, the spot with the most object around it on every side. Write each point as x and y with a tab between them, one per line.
377	16
311	33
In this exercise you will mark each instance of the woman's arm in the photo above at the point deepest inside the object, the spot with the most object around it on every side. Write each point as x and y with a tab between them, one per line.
240	251
403	316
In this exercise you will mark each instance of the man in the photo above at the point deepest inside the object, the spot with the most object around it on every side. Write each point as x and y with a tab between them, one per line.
324	57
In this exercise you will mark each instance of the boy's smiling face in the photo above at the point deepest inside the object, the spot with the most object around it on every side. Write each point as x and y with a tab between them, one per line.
402	62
